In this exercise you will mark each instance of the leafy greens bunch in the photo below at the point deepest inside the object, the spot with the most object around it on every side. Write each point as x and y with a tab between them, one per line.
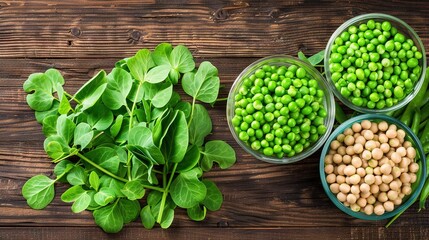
127	135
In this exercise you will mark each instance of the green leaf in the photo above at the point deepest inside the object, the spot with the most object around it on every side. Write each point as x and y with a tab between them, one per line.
181	59
317	58
140	64
106	157
185	107
157	74
187	190
109	218
133	190
55	77
63	168
38	191
197	212
116	126
94	180
79	196
161	54
190	160
119	84
83	135
77	176
163	96
50	125
142	137
201	125
65	128
143	173
56	146
302	57
178	138
167	218
153	198
53	111
104	196
214	198
64	106
148	220
99	117
130	209
91	91
112	184
39	88
204	84
220	152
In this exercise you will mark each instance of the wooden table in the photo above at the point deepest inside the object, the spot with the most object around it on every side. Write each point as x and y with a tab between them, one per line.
262	201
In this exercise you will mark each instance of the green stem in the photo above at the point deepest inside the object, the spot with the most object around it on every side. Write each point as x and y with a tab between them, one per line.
164	196
72	97
221	99
101	168
63	158
192	112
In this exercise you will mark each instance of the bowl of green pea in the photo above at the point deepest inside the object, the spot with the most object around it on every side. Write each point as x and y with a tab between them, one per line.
375	63
280	109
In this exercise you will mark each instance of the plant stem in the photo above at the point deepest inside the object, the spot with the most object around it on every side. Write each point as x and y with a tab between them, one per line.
192	112
101	168
72	97
164	196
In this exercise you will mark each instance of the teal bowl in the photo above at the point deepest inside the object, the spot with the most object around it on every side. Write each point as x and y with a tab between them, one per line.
416	186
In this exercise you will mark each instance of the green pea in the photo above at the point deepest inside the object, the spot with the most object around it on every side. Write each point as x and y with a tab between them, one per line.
293	107
357	101
243	136
291	122
266	128
268	151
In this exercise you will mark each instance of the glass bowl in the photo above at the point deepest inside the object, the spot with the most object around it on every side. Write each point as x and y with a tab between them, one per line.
416	186
403	28
283	60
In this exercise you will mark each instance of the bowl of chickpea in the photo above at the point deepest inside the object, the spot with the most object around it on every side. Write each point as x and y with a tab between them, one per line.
371	167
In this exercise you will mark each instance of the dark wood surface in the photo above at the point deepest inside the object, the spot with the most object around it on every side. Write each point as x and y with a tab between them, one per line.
262	201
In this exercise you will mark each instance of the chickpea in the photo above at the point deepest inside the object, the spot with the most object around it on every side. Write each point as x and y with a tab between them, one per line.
377	153
361	172
364	187
382	197
341	137
374	127
356	127
364	163
366	155
346	204
369	170
371	199
369	179
331	178
356	135
414	167
348	132
335	188
361	202
350	151
332	152
337	158
394	142
374	189
355	189
347	159
335	145
377	143
388	206
392	127
383	126
340	169
394	186
382	161
341	150
401	133
329	169
341	197
370	145
401	151
413	177
387	179
397	201
396	158
349	170
368	135
405	178
391	133
385	147
386	168
369	209
360	140
407	144
356	162
351	198
358	148
406	189
379	210
377	171
378	180
392	195
355	207
384	187
344	188
365	195
355	179
411	152
382	138
341	179
404	162
366	124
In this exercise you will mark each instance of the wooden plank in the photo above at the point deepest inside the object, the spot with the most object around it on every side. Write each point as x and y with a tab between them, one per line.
353	233
98	29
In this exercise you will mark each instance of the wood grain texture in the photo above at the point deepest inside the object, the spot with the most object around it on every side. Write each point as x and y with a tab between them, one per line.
262	201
